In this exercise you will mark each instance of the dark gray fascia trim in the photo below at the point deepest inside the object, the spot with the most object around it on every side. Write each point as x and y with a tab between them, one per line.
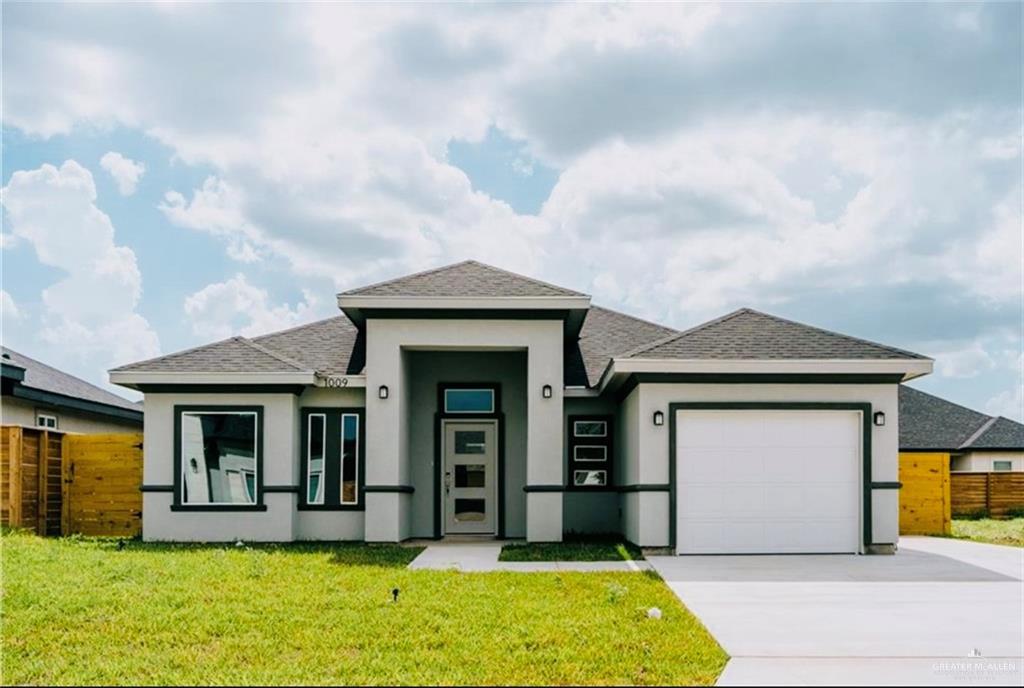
281	488
635	379
884	485
63	401
218	507
464	314
164	388
645	488
12	371
156	488
404	489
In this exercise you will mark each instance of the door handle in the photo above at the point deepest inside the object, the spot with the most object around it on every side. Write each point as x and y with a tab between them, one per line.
447	482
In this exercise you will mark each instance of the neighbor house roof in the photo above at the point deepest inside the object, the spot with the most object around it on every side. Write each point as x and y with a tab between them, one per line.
750	334
48	385
466	279
930	422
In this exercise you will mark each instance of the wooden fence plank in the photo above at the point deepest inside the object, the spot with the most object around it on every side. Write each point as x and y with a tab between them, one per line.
996	494
103	496
924	495
14	494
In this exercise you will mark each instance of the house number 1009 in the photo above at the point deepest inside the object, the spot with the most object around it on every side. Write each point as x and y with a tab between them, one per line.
335	381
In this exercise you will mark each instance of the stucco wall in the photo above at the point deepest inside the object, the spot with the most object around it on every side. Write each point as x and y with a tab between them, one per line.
981	461
649	526
427	369
388	455
15	411
280	467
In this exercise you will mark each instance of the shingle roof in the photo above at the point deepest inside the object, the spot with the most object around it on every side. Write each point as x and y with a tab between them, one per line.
328	346
468	278
930	422
48	379
607	333
750	334
1001	433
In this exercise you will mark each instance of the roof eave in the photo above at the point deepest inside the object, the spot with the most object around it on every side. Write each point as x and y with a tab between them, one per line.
132	379
906	368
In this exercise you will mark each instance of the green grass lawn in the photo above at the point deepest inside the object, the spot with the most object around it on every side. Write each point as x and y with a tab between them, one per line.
580	549
1008	532
81	611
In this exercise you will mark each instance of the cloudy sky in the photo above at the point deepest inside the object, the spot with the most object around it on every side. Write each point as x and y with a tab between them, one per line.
173	174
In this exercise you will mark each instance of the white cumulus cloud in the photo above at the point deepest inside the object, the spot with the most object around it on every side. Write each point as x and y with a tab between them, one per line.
237	307
125	171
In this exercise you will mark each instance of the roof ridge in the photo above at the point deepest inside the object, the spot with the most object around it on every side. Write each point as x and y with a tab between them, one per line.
982	429
293	328
682	333
634	318
273	354
392	280
838	334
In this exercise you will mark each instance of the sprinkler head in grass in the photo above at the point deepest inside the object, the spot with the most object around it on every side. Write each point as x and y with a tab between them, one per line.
653	613
239	544
394	595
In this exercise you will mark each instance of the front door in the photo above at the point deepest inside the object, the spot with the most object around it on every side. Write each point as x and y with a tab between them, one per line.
470	477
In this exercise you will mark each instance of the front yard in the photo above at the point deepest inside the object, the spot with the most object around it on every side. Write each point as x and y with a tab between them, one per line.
84	611
996	532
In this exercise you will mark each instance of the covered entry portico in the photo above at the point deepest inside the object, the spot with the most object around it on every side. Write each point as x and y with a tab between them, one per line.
414	360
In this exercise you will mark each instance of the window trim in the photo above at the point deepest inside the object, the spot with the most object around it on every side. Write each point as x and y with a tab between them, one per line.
1008	462
323	445
51	416
576	434
589	470
332	414
222	409
452	388
605	441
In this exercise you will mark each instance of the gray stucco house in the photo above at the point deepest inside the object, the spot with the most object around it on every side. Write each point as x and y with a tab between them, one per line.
468	400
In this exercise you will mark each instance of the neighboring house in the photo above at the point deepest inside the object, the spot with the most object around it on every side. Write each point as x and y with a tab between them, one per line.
36	395
976	443
468	400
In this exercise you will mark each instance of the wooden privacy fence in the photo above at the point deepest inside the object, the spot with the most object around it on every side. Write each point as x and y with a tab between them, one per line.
997	495
925	502
58	484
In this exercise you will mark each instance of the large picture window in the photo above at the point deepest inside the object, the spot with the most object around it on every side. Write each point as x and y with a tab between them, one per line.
590	452
332	458
218	457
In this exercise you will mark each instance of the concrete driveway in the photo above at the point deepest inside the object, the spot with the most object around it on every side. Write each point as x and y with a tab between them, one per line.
913	618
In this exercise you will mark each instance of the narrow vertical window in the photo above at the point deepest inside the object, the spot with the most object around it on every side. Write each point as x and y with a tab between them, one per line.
315	447
349	458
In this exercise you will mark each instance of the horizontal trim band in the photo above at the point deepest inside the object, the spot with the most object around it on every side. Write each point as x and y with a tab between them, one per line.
405	489
156	488
281	488
646	488
227	508
544	488
896	485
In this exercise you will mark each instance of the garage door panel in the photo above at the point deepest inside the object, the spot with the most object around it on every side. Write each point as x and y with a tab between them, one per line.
768	481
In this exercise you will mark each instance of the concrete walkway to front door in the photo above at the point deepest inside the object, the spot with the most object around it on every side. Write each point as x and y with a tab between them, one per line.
938	612
483	556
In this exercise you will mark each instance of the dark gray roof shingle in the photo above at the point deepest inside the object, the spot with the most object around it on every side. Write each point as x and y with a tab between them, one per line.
328	346
468	278
750	334
1002	433
607	333
48	379
930	422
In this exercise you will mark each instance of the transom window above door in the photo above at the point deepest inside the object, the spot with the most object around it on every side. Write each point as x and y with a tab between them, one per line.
469	401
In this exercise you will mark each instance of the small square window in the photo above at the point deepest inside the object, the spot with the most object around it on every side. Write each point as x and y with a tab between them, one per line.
590	428
44	420
590	478
590	452
1002	465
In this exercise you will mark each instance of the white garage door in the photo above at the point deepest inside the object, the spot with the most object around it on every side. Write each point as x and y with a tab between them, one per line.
766	481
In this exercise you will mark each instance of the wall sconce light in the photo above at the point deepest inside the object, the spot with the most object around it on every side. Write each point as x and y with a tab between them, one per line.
545	391
879	418
659	417
382	392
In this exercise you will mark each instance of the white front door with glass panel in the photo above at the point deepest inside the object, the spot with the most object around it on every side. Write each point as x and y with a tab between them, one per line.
470	477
